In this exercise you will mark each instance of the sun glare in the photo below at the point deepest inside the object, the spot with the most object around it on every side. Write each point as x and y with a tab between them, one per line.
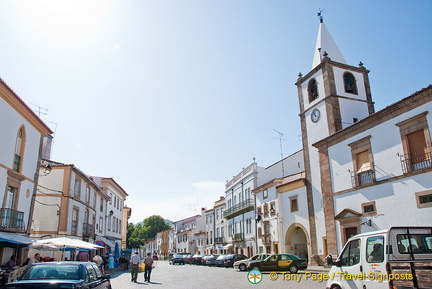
68	21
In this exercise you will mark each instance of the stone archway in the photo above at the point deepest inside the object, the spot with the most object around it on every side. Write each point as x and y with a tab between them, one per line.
297	241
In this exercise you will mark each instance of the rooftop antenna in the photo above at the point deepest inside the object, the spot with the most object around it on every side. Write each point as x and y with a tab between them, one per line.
281	153
40	110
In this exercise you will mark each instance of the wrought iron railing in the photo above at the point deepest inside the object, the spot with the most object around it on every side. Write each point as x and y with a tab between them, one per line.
416	161
238	237
219	240
243	206
362	178
13	219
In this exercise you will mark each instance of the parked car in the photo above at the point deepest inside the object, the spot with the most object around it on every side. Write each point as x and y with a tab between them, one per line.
177	258
188	258
204	259
211	260
196	259
232	258
66	274
243	264
220	261
279	262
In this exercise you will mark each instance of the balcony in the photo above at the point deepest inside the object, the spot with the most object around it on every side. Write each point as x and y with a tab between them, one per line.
88	230
219	240
416	161
12	219
238	209
237	237
362	178
266	239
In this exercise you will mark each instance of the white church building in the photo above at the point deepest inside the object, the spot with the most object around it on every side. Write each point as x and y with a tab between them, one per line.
365	170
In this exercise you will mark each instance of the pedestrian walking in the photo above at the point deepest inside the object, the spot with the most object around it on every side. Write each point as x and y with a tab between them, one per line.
135	261
148	262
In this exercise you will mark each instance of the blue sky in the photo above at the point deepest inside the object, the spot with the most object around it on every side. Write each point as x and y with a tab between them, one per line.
173	98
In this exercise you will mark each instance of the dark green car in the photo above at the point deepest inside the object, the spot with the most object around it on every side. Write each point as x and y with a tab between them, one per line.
280	262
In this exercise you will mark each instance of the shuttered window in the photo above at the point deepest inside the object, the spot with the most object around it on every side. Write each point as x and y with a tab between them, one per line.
363	163
417	145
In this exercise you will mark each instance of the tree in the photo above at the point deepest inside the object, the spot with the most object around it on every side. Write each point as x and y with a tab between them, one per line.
153	225
138	234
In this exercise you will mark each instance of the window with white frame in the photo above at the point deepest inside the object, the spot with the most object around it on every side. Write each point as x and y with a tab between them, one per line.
87	196
74	226
77	187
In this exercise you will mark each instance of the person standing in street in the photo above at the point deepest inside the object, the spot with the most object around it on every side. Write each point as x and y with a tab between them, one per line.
148	262
135	261
111	264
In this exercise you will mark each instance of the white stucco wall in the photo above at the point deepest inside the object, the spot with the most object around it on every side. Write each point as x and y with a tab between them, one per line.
386	144
30	157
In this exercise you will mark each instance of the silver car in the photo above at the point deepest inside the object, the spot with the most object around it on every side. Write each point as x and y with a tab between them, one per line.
243	264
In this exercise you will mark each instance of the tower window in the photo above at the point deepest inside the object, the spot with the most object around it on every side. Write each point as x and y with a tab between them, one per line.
350	83
312	90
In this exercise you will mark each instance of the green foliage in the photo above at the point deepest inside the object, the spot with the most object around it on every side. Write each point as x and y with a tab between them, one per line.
153	225
138	234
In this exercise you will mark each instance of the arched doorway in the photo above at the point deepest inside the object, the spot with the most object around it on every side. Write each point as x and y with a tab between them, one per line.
297	241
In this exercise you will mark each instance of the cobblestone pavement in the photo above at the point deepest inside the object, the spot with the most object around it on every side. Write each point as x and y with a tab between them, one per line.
203	277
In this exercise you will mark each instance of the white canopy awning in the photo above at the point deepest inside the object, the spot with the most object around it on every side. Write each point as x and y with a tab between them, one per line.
68	243
228	246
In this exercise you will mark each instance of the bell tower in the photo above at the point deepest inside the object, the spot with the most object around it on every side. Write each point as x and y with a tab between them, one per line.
332	96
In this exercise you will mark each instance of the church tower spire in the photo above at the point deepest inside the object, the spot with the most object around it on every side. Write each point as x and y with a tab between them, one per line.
326	44
332	96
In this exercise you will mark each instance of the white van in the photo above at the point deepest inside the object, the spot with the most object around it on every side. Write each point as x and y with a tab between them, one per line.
398	258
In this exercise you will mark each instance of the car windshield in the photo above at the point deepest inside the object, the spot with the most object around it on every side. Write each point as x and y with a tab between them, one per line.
51	271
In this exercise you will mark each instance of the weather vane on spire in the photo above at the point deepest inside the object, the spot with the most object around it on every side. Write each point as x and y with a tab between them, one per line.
319	14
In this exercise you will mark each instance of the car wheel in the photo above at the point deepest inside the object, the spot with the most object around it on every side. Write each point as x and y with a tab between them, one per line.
256	268
293	269
335	287
242	267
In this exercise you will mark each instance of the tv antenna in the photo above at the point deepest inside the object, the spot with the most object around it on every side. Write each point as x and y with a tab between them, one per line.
281	153
40	110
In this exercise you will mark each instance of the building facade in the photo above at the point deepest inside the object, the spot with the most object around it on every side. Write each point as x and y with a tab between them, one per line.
22	143
363	168
68	204
114	213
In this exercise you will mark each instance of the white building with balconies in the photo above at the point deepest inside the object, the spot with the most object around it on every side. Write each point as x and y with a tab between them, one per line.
22	138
